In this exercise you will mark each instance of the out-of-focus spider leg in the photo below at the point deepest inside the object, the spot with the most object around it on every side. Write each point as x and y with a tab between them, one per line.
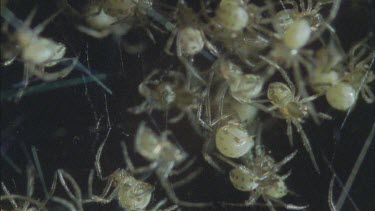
77	196
172	195
331	204
289	132
187	178
367	94
289	206
176	118
183	168
269	205
207	149
64	203
45	76
169	44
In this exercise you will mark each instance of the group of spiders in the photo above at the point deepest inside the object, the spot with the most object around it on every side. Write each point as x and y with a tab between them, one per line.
266	60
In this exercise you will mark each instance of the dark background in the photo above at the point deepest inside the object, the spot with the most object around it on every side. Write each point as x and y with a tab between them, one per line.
63	124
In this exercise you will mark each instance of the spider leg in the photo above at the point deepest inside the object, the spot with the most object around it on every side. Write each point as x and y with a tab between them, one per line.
303	92
95	33
98	155
207	150
187	178
249	202
324	116
46	76
211	48
188	65
286	159
7	193
26	79
303	6
367	94
30	172
331	204
173	197
176	118
40	27
289	206
202	122
127	159
309	6
161	203
168	45
269	204
289	132
64	203
77	196
306	144
24	198
282	72
183	168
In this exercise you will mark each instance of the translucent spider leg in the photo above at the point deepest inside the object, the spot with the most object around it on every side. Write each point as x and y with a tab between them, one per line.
77	195
207	148
40	174
64	203
173	197
13	197
40	73
289	132
130	166
282	71
331	204
357	165
251	201
160	204
303	92
188	178
104	197
270	205
98	155
306	144
286	160
11	200
289	206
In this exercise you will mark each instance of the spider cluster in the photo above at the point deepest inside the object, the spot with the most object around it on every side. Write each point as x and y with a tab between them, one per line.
229	70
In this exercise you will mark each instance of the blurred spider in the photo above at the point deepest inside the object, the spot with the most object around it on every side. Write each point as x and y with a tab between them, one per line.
170	90
105	17
165	156
36	52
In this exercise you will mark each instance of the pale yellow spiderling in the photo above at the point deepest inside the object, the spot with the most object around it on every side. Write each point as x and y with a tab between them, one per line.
232	15
36	52
122	185
293	110
259	176
233	140
164	157
342	81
